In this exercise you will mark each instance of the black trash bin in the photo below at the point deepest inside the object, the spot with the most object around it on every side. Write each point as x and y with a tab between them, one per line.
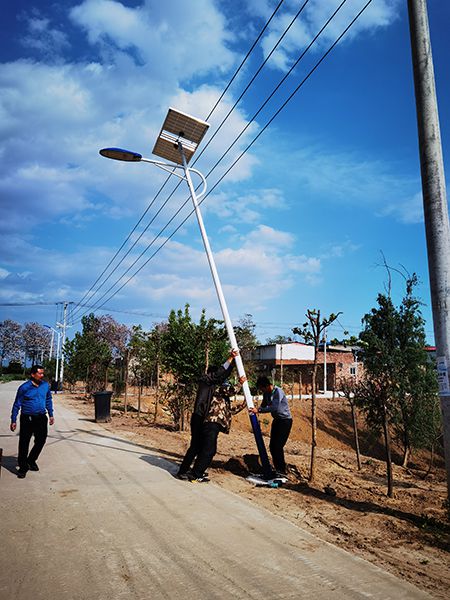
102	403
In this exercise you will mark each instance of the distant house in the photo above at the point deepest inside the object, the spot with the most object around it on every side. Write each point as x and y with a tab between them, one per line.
291	365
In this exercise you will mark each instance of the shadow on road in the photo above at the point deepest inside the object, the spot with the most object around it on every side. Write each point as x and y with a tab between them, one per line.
112	439
10	464
161	463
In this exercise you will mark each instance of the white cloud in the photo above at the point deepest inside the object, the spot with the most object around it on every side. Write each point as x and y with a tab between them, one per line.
151	34
409	211
55	117
252	272
43	38
340	250
248	207
351	179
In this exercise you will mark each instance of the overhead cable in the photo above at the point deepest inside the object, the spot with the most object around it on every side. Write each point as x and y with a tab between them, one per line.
283	79
76	309
269	122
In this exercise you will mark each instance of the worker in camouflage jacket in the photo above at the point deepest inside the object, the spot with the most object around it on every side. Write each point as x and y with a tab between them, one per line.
217	420
207	384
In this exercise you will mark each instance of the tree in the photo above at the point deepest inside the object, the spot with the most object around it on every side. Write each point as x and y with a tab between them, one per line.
398	391
89	354
36	341
10	341
212	336
347	341
279	339
186	347
245	334
312	332
380	354
418	401
183	359
143	359
247	342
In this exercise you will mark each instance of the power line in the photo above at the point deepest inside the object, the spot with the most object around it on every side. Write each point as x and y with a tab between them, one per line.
166	181
245	58
283	79
123	244
285	103
285	32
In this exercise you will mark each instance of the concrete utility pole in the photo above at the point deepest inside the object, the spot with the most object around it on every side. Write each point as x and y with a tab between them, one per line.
434	203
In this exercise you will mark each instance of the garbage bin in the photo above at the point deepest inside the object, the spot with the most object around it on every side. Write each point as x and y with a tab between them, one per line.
102	403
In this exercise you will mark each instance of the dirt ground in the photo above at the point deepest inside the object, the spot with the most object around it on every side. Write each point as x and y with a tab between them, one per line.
408	535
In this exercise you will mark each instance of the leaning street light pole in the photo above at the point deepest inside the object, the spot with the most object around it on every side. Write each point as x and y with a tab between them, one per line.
177	142
434	203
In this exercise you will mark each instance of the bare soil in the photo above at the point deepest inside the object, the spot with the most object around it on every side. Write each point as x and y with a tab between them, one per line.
408	535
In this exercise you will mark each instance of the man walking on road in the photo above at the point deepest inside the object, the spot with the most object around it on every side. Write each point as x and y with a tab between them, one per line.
34	401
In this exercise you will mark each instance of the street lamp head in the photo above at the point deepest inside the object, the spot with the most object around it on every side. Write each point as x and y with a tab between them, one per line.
121	154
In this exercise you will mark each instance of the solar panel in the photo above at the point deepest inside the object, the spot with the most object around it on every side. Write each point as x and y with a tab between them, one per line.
179	127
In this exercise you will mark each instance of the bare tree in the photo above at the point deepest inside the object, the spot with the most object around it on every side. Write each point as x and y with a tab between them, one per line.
312	332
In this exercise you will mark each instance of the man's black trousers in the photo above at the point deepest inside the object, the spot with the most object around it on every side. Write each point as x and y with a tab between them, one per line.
209	433
196	443
31	425
279	433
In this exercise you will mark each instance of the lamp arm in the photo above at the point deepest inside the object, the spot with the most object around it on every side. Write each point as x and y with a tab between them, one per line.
171	168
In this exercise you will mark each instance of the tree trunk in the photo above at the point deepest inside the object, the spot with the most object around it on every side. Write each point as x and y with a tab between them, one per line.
125	400
157	390
355	435
139	398
406	456
387	443
313	426
431	461
206	356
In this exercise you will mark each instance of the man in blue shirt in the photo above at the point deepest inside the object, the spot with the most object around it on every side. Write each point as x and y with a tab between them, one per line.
34	401
276	402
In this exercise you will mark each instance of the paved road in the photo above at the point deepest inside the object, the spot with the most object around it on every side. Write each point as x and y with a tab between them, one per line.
104	519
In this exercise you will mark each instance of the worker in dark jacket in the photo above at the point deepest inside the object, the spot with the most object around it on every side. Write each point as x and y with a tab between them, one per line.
34	401
214	377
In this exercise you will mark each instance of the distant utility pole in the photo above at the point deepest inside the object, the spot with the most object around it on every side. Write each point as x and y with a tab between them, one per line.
63	326
434	203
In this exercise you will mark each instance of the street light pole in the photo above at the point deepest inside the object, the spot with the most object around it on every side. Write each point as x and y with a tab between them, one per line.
434	202
52	339
177	142
267	469
58	334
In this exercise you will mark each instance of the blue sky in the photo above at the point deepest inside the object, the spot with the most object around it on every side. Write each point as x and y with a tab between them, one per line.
300	221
